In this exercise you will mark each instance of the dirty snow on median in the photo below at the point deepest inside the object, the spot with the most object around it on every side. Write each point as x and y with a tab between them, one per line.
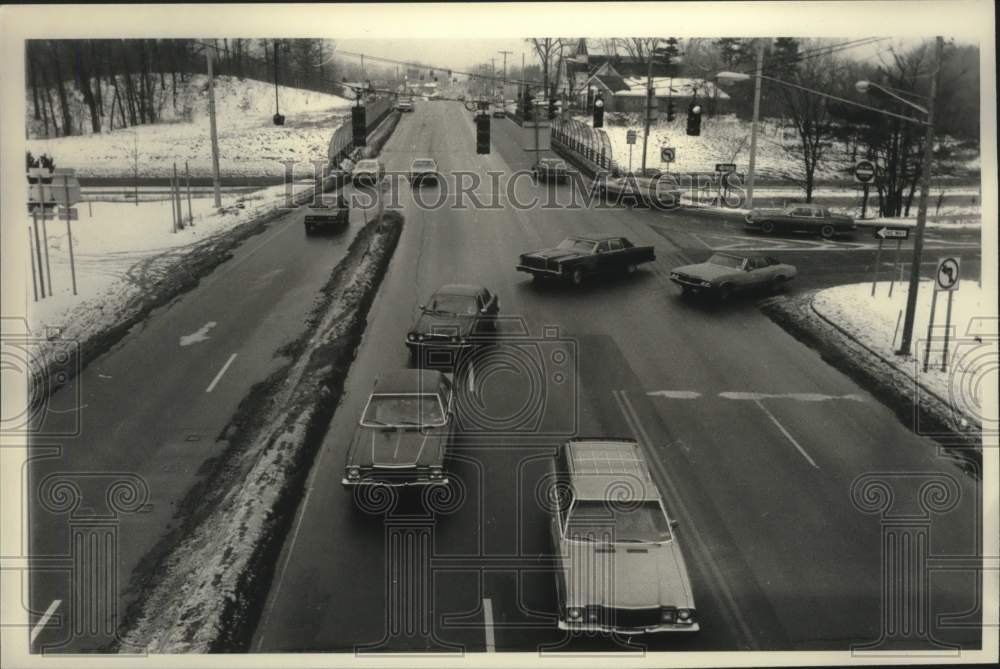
972	349
249	142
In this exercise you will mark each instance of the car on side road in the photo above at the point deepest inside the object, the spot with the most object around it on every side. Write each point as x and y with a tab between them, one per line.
809	218
404	105
620	566
404	433
456	317
322	216
576	258
649	188
724	274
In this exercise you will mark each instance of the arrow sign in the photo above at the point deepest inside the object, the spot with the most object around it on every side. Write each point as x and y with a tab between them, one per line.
946	277
667	154
886	232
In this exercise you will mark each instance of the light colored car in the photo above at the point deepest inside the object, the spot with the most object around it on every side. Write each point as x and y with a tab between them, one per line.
405	429
621	569
405	105
367	171
424	171
724	274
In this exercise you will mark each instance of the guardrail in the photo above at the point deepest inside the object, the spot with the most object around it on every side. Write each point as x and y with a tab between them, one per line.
588	148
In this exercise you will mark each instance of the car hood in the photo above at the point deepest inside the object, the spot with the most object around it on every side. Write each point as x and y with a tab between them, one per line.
439	324
554	254
398	447
630	576
706	271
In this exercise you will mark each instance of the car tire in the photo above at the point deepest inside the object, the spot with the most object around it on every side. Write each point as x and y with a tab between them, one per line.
767	227
827	231
577	277
778	283
725	292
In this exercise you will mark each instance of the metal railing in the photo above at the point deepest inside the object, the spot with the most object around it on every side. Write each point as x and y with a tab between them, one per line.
590	144
342	142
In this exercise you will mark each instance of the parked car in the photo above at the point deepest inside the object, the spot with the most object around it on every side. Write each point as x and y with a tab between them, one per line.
368	171
404	432
800	218
456	317
576	258
319	215
404	105
550	169
424	170
621	569
723	274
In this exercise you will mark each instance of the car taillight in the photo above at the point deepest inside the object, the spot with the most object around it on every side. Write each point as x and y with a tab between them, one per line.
574	613
436	473
353	473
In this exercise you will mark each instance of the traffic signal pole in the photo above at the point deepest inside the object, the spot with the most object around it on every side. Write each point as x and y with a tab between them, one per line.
925	183
751	173
649	97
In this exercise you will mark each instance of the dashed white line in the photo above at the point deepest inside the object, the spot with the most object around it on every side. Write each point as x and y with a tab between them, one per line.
801	397
222	371
491	643
786	433
43	621
676	394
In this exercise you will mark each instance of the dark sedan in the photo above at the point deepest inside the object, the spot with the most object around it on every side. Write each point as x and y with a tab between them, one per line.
454	319
809	218
550	169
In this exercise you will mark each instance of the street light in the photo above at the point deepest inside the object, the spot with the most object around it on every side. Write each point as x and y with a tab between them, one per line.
863	86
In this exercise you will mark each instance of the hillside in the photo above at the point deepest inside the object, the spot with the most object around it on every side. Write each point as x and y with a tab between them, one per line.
249	143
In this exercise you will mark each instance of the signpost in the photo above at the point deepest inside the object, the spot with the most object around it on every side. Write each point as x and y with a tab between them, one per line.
945	280
864	172
725	167
630	138
667	154
881	234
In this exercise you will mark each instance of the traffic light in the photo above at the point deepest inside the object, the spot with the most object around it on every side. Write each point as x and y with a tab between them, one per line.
528	105
552	108
599	111
483	133
359	131
671	111
694	119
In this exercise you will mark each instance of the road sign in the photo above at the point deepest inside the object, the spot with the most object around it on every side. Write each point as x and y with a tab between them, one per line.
888	232
864	171
725	167
630	137
69	215
667	154
946	277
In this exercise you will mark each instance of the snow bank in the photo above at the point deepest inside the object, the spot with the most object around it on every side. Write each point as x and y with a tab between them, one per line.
876	322
249	143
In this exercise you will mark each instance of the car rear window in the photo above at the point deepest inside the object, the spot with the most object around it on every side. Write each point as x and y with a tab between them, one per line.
607	522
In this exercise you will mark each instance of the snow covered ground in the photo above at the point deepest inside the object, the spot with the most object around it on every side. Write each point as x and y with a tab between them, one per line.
111	241
972	361
249	143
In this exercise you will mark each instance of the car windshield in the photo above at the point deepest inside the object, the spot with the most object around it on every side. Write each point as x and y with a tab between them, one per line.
548	162
606	522
395	410
579	245
460	305
424	164
367	165
726	261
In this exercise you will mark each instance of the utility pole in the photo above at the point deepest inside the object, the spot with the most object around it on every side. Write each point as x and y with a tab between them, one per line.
649	97
276	110
214	131
505	54
925	184
756	119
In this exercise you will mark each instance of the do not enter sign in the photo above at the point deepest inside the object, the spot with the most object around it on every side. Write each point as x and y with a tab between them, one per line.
864	171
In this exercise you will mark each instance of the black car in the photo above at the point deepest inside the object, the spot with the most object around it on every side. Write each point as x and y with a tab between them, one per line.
576	258
454	319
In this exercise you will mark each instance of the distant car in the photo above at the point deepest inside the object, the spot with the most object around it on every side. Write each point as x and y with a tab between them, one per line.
404	105
498	111
461	97
800	218
368	171
723	274
424	171
329	216
651	188
550	169
404	433
576	258
621	569
456	317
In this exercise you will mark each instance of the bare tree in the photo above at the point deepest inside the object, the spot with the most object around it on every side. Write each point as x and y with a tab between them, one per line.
546	48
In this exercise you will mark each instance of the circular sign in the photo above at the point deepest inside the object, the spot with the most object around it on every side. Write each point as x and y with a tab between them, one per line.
667	155
947	274
864	171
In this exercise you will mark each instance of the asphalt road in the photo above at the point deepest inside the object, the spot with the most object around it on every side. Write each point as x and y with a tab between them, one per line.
755	442
147	416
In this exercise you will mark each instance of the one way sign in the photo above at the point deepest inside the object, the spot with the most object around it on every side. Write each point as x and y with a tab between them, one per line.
889	232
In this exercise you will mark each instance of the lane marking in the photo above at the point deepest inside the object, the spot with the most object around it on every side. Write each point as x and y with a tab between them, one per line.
676	394
222	371
43	621
472	377
786	433
199	335
491	644
632	418
801	397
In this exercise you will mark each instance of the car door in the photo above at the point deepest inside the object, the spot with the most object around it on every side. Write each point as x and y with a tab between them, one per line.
603	258
801	219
